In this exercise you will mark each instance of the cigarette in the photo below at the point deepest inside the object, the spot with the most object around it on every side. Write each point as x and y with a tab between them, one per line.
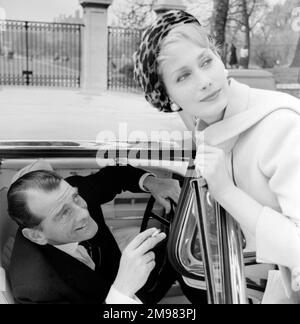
155	233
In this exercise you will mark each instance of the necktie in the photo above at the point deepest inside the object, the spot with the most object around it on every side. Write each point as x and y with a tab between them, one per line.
93	251
82	255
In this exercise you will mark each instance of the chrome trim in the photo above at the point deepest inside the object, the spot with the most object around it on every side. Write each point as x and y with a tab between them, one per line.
161	151
223	263
223	293
204	238
200	181
236	262
188	261
208	199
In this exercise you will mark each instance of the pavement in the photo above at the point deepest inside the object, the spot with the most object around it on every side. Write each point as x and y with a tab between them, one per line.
28	113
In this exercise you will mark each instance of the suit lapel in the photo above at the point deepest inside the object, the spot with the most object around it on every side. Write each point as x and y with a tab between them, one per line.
72	271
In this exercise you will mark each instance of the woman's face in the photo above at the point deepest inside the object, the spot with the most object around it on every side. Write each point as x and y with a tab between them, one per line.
195	80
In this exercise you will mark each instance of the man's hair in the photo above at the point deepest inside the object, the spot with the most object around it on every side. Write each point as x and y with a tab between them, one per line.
18	208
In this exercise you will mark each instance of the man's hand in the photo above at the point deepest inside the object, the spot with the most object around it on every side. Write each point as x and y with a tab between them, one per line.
163	190
137	262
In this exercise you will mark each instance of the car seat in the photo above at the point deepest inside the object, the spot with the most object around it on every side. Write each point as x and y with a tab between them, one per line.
8	229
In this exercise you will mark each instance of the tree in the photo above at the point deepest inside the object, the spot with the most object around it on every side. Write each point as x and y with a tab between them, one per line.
219	23
296	61
229	17
219	20
213	15
134	13
273	39
296	26
244	16
201	9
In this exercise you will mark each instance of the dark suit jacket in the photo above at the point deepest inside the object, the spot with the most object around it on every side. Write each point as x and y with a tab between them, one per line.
44	274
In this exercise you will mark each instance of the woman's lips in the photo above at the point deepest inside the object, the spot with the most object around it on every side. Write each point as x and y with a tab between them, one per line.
211	96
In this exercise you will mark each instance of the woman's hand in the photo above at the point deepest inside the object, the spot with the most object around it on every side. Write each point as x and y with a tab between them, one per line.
210	163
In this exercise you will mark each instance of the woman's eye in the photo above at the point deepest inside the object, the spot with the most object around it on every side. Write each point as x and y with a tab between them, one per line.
183	77
206	62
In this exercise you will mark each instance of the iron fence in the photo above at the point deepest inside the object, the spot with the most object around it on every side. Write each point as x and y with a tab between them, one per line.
122	43
40	53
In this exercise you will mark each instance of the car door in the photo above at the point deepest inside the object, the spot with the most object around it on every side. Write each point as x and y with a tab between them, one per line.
207	247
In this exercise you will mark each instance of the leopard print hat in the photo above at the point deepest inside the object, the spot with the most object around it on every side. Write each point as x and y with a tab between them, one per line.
145	59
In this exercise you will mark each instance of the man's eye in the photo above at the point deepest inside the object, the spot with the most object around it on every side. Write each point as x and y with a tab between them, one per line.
76	197
66	212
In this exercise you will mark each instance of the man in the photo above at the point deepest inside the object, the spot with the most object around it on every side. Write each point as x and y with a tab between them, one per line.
48	265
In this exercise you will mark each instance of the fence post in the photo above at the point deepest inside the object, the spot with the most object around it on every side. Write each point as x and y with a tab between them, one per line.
27	53
95	43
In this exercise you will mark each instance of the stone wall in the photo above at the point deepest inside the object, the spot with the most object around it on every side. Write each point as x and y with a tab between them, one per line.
293	89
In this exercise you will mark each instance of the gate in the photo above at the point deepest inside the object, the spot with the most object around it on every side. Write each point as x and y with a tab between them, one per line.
122	43
40	54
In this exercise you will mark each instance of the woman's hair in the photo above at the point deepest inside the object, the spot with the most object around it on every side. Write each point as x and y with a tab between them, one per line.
17	196
194	33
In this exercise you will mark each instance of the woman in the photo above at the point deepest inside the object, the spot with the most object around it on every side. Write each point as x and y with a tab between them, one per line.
233	60
248	139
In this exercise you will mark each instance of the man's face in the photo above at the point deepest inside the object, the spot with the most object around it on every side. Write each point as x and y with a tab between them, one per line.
64	214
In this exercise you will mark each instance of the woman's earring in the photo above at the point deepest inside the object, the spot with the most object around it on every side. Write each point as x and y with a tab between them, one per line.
226	73
174	107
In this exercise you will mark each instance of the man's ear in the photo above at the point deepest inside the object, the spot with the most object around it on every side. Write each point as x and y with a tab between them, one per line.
35	235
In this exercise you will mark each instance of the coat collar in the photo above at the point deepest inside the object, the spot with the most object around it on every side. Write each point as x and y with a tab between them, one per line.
246	108
69	248
221	133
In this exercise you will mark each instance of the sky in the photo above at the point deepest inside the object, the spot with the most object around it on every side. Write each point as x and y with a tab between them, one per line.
45	10
38	10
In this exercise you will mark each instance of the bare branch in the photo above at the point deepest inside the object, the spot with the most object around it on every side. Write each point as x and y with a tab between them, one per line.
133	13
237	21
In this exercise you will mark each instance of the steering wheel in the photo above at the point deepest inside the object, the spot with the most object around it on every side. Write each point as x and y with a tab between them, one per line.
160	250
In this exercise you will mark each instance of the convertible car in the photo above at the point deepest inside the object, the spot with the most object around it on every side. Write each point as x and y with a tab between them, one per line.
205	244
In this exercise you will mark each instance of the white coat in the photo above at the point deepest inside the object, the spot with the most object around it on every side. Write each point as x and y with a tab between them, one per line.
261	129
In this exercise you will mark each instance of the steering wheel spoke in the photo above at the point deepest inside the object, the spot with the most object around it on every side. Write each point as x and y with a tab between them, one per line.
165	219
